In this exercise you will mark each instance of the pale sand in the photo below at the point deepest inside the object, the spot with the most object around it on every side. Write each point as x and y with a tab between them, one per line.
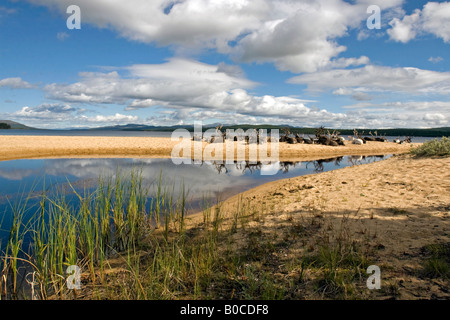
31	147
396	206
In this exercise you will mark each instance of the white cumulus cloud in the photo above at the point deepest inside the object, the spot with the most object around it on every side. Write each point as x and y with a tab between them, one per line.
433	19
377	78
299	36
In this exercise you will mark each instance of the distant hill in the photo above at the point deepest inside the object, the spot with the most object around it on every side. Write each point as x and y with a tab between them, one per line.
16	125
400	132
139	127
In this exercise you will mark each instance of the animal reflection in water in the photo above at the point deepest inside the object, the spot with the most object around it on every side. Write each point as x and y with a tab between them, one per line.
285	166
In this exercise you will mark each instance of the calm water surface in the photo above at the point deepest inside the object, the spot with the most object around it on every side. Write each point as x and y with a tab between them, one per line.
204	183
217	181
84	133
24	175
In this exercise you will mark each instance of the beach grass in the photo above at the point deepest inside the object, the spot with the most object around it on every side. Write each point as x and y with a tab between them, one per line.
113	218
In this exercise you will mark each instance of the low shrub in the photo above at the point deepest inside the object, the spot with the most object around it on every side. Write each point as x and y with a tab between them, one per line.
434	147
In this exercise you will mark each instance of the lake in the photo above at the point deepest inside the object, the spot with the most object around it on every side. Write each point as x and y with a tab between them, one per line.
204	183
86	133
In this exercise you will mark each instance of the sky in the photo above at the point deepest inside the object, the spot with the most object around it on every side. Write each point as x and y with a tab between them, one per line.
305	63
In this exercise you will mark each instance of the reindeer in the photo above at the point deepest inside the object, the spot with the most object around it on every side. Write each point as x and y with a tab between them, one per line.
335	138
219	135
375	137
329	139
220	132
299	139
253	136
291	140
284	136
407	140
358	140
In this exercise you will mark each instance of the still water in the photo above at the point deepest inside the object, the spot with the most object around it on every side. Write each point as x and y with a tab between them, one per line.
204	183
199	179
86	133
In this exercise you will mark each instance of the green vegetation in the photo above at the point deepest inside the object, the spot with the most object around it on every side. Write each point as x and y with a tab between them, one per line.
434	147
4	126
114	218
437	262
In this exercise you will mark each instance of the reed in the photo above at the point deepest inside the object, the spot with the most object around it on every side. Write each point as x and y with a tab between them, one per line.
84	231
12	259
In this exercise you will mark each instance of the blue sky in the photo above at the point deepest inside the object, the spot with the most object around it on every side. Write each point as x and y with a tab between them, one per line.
305	63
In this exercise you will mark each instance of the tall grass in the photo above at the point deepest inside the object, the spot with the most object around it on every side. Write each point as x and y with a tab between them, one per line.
85	231
11	262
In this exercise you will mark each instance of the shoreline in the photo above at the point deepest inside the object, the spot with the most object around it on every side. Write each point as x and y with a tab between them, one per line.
394	208
386	213
50	147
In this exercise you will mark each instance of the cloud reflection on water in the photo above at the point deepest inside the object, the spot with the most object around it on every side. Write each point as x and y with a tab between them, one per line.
206	179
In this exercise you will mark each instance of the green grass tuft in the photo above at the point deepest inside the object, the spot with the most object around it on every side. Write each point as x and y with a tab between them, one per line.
437	262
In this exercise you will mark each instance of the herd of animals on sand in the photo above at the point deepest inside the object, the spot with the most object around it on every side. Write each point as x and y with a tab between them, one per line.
321	136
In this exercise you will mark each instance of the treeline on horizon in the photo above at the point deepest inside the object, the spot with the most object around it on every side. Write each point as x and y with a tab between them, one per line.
433	132
399	132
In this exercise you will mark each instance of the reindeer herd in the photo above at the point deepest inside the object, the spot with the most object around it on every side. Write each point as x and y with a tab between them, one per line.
321	136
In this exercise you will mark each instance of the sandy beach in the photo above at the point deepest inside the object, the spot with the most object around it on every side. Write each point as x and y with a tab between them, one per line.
393	208
31	147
